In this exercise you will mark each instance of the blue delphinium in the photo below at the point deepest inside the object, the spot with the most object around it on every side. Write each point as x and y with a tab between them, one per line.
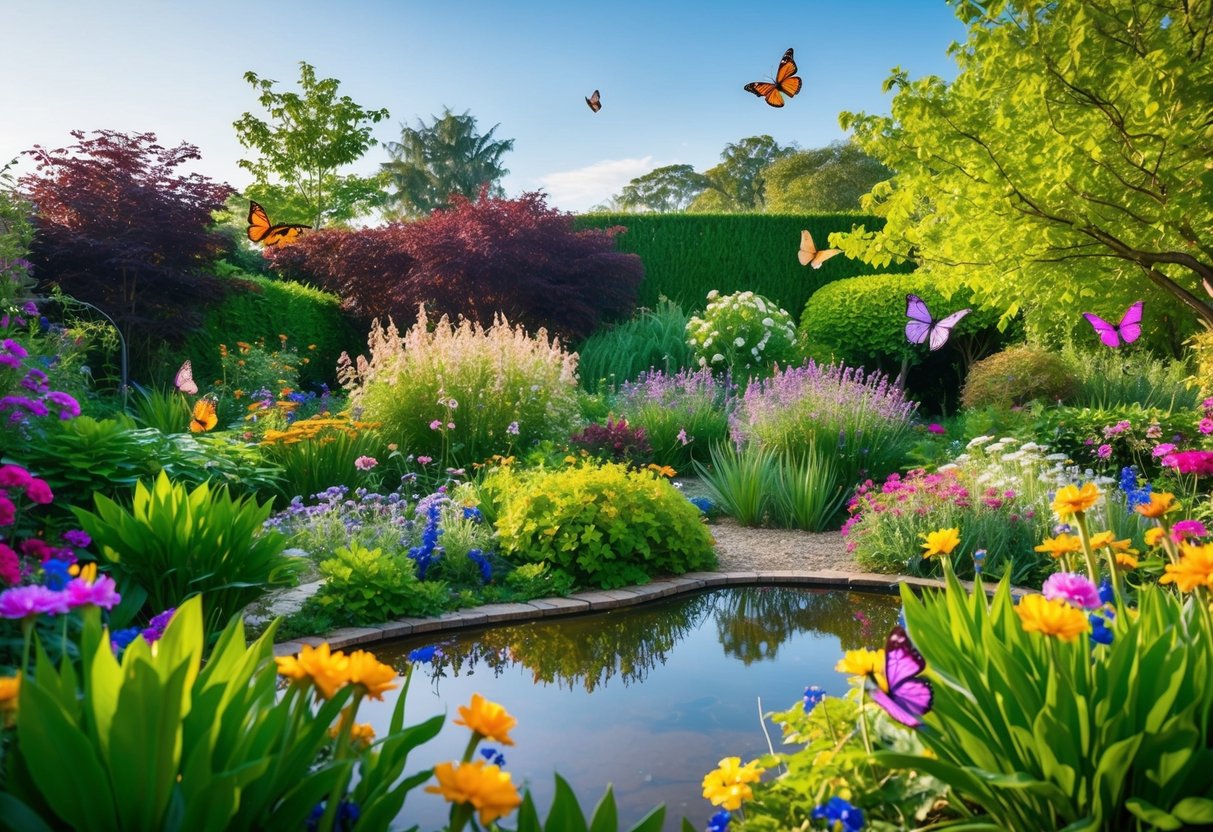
486	568
1135	495
54	574
719	822
840	814
812	697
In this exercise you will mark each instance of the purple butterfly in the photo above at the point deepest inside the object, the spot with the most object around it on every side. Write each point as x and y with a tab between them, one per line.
1128	330
908	696
922	326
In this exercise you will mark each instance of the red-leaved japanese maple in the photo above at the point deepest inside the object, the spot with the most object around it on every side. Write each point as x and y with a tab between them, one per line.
517	257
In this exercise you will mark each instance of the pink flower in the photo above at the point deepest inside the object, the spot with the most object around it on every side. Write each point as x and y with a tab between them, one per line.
1163	449
424	460
11	475
1072	588
1205	426
935	427
365	463
28	601
10	565
8	511
436	424
450	425
682	436
39	492
102	593
1105	451
1184	529
1191	462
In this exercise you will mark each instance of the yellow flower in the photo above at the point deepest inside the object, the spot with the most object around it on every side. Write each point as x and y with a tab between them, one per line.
1101	539
1051	617
372	675
1195	568
1161	502
1071	499
662	470
327	671
1063	544
488	719
486	787
729	784
940	542
862	663
1125	560
86	571
10	689
1155	535
361	733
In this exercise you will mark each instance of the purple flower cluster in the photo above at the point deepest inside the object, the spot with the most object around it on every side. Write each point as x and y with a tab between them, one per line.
153	632
677	391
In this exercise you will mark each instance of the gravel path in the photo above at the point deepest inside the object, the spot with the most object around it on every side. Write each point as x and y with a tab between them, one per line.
742	548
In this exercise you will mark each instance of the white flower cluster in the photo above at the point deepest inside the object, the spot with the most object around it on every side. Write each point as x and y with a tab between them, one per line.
731	322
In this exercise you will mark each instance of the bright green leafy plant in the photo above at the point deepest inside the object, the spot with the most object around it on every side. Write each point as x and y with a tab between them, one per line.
368	586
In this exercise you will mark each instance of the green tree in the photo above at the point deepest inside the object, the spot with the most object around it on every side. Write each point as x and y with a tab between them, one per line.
670	188
1067	166
737	183
430	163
309	137
822	180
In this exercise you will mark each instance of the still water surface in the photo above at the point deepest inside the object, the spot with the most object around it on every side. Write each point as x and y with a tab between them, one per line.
647	698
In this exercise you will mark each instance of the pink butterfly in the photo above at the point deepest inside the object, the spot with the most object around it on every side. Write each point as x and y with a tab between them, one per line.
1128	330
907	697
184	380
922	327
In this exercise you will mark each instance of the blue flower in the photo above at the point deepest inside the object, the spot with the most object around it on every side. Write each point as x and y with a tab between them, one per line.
719	822
121	639
1106	595
493	756
486	568
812	696
472	513
1100	634
702	503
348	813
54	574
979	559
424	654
840	814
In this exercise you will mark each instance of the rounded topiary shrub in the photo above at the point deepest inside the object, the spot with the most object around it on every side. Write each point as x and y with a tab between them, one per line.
604	523
743	332
1018	375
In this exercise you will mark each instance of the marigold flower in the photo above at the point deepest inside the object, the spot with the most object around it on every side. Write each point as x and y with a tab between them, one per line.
940	542
1125	560
372	675
1155	535
328	671
1195	568
1070	499
1051	617
486	787
1099	540
488	719
1161	502
1063	544
10	689
729	784
361	733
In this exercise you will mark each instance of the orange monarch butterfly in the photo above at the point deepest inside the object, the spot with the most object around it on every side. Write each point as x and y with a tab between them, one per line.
595	101
786	83
204	417
260	230
809	255
184	380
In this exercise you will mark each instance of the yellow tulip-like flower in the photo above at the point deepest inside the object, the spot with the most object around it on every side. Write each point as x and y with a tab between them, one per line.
372	675
940	542
1155	535
1051	617
1161	502
1194	569
729	784
10	689
488	719
328	671
1063	544
1070	499
486	787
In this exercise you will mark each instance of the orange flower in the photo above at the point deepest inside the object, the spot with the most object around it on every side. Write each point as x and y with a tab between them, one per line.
375	677
1161	503
1155	535
1063	544
1051	617
1195	568
1070	499
10	689
486	787
488	719
1125	560
329	672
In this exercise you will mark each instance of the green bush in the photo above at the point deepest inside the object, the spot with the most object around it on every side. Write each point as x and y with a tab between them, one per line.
653	340
1115	378
173	544
683	414
1108	439
369	586
1018	375
320	452
740	482
606	525
686	254
743	334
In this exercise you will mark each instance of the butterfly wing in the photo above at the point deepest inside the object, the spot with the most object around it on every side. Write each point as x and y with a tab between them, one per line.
943	328
824	255
204	417
280	235
785	76
807	250
767	90
184	380
919	325
901	659
1107	332
907	703
1130	324
258	222
594	101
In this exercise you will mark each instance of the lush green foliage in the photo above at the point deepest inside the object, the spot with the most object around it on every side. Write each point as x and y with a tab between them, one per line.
16	230
164	409
825	179
683	414
308	138
370	586
460	393
669	188
742	334
1018	375
607	525
1107	96
686	254
738	183
1113	378
1108	439
654	339
174	543
739	481
322	451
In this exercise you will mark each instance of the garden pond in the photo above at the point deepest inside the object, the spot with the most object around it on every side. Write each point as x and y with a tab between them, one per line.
647	699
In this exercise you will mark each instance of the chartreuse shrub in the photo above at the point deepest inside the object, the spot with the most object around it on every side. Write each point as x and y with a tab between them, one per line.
459	392
174	543
743	334
605	524
655	339
1018	375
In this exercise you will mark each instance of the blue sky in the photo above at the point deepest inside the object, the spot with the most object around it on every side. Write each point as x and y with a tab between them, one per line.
671	74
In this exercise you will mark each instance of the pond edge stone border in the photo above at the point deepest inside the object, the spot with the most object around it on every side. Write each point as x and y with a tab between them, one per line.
601	600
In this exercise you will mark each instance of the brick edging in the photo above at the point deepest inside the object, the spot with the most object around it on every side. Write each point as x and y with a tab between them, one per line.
602	600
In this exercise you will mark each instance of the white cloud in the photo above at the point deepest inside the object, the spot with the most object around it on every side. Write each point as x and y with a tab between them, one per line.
583	188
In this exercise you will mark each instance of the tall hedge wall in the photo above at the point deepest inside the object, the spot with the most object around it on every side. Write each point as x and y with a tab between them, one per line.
687	255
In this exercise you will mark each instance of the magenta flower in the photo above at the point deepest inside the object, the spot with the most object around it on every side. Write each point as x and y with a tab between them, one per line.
102	593
28	601
365	463
1163	449
39	492
424	460
69	408
1072	588
1105	451
11	475
8	511
1205	426
1185	529
10	566
936	428
77	537
1191	462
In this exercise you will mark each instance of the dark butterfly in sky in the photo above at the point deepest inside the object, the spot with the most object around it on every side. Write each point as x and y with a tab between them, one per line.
261	230
184	380
921	327
907	696
595	101
1128	330
809	255
786	83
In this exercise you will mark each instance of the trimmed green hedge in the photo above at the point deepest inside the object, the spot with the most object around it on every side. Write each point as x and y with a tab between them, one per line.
258	307
687	255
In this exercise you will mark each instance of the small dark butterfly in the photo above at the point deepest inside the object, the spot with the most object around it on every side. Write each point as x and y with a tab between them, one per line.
595	101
